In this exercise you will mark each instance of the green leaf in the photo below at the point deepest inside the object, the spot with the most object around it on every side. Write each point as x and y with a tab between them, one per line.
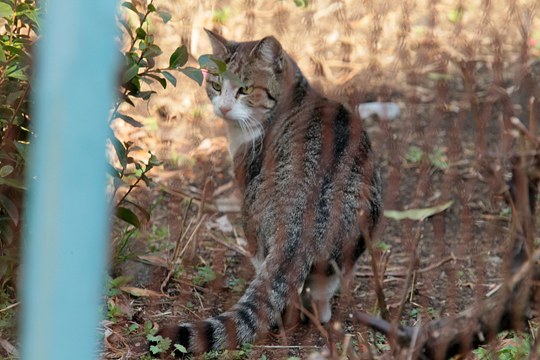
301	3
154	161
30	13
3	58
16	184
169	77
229	75
165	16
414	154
134	85
10	208
141	34
6	170
438	159
131	7
120	150
112	171
152	51
212	63
127	28
130	73
151	8
144	212
417	214
179	57
162	81
131	121
22	149
162	344
128	216
193	73
145	95
133	327
154	338
15	72
180	348
6	11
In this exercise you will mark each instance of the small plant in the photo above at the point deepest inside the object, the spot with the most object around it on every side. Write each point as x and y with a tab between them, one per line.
381	245
414	313
139	72
237	284
113	311
20	23
244	352
205	274
133	328
159	344
113	285
381	343
512	346
437	158
9	315
149	328
157	238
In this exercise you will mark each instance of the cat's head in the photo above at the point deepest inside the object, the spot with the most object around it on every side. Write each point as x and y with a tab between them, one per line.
258	67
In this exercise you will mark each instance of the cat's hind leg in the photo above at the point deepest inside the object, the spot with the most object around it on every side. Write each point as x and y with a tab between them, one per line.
319	288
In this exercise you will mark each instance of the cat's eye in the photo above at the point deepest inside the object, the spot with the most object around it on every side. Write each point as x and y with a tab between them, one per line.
216	86
246	90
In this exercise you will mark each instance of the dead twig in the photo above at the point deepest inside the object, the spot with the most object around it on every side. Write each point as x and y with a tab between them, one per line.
9	307
232	247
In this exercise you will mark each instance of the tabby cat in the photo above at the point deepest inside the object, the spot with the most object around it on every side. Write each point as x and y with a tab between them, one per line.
311	189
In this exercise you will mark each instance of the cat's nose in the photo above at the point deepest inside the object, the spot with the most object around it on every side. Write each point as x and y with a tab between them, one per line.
224	109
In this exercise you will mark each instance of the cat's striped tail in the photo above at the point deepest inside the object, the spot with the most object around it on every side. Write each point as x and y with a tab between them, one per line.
258	309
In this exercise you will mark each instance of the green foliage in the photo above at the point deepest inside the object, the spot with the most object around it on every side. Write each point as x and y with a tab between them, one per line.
237	284
182	349
241	354
113	311
133	328
205	274
9	315
113	285
437	158
149	328
139	70
21	23
512	346
161	345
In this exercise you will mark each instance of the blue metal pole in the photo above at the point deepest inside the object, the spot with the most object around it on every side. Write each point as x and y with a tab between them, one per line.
64	246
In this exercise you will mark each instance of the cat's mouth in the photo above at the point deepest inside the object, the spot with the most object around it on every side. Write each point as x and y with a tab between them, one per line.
228	117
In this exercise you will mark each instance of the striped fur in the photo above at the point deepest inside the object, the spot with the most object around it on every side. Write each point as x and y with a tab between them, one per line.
311	190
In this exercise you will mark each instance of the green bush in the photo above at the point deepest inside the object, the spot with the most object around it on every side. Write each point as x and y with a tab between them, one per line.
21	25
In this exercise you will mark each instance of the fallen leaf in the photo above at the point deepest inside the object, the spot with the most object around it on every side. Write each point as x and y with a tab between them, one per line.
10	349
140	292
154	260
417	214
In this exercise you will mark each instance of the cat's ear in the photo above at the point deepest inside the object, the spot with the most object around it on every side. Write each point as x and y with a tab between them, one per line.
221	47
270	52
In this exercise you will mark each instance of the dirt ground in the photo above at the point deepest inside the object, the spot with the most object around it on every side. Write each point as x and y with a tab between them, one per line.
447	145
